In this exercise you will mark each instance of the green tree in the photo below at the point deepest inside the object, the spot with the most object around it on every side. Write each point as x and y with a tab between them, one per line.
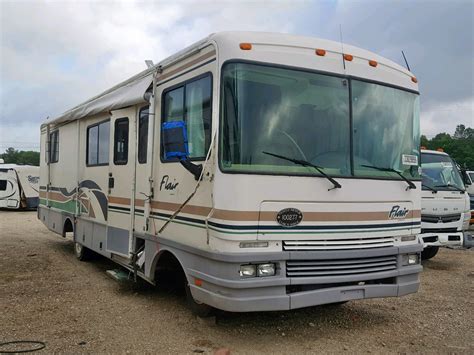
13	156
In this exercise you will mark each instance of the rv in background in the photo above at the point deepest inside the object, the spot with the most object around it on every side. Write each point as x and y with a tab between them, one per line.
19	186
269	171
445	210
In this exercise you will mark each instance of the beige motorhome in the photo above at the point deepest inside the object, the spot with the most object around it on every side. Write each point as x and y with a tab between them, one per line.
270	171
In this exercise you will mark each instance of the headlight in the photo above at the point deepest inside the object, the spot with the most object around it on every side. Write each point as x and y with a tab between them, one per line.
408	238
412	259
248	270
266	270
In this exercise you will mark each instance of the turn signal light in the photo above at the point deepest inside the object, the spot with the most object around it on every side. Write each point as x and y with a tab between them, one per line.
321	52
373	63
415	80
245	46
348	57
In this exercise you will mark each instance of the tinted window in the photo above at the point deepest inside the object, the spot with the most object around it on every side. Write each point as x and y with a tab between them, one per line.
191	103
142	135
3	185
121	141
98	144
54	147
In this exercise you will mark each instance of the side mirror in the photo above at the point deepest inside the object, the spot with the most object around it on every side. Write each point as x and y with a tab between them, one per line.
175	146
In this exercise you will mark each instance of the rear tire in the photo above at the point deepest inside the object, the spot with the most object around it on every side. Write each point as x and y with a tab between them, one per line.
199	309
82	253
429	252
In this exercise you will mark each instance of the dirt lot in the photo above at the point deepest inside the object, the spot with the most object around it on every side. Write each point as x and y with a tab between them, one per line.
48	295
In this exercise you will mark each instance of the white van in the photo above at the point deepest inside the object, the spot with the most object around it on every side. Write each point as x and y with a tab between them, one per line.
269	171
19	186
445	210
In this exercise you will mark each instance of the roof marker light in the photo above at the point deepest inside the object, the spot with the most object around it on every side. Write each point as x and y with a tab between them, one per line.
414	79
440	150
245	46
348	57
320	52
373	63
423	147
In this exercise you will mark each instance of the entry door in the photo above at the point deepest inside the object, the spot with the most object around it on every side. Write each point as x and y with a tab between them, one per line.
121	181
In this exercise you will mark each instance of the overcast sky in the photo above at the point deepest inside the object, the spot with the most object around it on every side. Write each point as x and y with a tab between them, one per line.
55	54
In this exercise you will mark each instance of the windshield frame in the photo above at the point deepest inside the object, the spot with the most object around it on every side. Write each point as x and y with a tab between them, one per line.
455	168
393	177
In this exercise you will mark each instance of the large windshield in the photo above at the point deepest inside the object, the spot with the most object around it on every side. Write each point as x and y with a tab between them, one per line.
306	116
439	172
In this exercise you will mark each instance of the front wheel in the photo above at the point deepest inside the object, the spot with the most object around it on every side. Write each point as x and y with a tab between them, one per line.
200	309
81	252
429	252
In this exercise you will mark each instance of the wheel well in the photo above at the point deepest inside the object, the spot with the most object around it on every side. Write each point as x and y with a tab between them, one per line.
68	227
168	270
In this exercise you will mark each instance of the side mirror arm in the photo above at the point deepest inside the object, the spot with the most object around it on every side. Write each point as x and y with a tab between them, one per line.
194	169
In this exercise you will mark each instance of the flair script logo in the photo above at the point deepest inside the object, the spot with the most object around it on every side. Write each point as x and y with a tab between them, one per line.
398	212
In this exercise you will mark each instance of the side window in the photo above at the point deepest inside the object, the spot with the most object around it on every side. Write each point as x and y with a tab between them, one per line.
98	144
53	147
142	135
121	141
191	103
3	185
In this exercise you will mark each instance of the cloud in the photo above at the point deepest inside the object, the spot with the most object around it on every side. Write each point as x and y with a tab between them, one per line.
444	117
54	55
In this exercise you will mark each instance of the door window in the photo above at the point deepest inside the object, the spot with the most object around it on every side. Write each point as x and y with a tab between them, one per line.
121	141
142	135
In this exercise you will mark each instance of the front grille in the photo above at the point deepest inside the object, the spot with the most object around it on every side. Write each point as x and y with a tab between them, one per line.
438	230
441	219
340	267
339	243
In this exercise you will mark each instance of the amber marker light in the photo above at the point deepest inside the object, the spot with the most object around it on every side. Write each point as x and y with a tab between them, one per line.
348	57
320	52
440	150
245	46
415	80
373	63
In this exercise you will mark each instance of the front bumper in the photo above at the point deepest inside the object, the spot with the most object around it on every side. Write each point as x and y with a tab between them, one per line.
448	240
284	293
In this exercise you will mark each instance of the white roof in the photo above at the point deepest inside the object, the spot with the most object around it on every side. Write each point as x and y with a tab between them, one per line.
433	152
132	91
18	167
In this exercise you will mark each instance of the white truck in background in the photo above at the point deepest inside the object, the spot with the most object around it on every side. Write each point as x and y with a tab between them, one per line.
445	210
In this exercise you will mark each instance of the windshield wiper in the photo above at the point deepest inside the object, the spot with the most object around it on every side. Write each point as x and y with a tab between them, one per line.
430	188
307	163
453	186
410	184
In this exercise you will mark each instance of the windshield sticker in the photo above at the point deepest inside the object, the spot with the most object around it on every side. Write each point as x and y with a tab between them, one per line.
408	159
446	164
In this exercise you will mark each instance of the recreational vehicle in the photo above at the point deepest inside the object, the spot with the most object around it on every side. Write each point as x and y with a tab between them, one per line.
19	185
445	210
271	171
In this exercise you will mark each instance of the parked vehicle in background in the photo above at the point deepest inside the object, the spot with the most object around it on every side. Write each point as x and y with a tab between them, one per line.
252	166
19	186
445	210
470	188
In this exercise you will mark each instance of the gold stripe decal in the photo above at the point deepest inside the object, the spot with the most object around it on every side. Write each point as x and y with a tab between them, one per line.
265	216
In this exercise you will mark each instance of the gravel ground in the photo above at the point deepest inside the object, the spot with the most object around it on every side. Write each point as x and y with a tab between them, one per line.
74	307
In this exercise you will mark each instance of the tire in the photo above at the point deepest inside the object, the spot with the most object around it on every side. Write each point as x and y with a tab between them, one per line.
82	253
199	309
429	252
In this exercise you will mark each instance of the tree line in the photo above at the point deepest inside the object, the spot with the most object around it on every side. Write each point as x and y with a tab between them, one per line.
460	146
